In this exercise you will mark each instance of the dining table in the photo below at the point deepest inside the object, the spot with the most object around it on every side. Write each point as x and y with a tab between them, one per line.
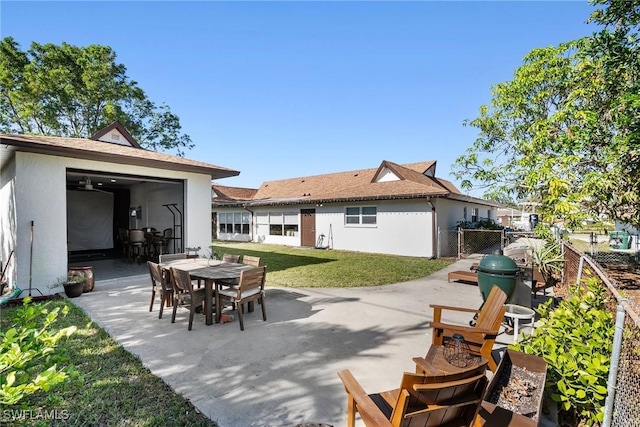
211	272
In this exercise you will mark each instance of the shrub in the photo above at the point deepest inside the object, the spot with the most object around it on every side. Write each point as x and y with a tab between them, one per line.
575	340
28	354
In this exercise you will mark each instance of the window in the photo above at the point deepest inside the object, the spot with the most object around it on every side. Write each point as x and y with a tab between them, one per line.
361	215
283	223
234	222
474	214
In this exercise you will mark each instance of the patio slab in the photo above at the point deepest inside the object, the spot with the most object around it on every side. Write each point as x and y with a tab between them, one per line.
281	372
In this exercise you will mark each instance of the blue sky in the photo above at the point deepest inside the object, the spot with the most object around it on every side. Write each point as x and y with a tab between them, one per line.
288	89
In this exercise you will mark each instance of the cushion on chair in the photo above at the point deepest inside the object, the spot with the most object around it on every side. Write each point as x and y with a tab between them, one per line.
233	293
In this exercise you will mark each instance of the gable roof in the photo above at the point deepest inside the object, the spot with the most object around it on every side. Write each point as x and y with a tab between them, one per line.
387	182
114	131
83	148
225	194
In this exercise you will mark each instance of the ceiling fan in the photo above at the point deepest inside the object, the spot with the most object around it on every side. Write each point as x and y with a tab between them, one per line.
85	184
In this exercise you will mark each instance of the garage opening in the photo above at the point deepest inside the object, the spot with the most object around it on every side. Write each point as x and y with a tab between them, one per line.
102	205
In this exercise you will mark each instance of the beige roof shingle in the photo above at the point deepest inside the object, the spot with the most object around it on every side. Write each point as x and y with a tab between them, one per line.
356	184
415	181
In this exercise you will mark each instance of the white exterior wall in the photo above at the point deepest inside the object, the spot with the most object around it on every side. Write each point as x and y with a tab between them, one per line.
402	228
197	212
8	221
40	194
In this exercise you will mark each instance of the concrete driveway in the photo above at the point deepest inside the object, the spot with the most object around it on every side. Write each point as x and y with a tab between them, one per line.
281	372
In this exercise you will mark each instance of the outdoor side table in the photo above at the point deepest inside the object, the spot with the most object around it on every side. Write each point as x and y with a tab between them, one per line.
518	312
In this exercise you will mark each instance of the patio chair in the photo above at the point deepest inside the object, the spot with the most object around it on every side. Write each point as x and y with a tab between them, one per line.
176	257
137	245
253	261
421	400
250	288
231	258
172	257
166	237
480	337
185	294
161	285
123	238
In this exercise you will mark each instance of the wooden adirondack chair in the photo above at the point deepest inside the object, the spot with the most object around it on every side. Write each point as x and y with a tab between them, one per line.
421	401
480	337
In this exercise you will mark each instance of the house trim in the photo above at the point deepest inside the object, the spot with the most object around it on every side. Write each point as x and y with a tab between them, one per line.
82	148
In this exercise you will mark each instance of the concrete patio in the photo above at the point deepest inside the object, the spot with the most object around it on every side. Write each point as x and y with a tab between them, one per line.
281	372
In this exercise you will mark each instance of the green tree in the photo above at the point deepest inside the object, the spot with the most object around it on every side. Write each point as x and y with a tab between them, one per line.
73	91
564	131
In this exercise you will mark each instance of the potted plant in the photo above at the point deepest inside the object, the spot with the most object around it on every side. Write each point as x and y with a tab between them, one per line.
549	260
73	284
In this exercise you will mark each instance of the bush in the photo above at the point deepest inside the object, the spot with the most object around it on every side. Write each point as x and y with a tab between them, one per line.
29	355
576	341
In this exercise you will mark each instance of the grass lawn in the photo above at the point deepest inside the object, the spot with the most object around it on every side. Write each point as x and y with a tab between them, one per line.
114	388
322	268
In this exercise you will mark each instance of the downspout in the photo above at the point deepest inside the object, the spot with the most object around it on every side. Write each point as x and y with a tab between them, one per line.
434	231
251	227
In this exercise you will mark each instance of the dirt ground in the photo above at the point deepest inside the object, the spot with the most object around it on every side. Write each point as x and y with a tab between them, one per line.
628	283
626	280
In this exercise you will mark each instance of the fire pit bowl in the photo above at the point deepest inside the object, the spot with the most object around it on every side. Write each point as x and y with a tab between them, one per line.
514	395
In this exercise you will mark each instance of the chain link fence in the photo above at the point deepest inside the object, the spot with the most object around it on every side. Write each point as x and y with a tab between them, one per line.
463	242
512	236
625	409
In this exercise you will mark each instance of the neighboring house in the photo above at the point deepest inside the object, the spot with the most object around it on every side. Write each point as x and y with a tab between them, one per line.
66	196
392	209
507	216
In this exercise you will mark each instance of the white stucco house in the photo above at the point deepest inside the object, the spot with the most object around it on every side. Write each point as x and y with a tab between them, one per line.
65	196
392	209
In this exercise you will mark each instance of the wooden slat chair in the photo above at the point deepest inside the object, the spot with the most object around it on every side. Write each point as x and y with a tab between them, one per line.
159	284
185	294
481	337
231	258
253	261
172	257
421	401
250	288
137	245
176	257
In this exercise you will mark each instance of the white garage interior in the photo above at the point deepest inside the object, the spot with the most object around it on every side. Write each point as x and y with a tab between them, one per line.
99	204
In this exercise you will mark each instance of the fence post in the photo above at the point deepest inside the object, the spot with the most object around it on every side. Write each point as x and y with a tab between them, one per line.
613	369
580	267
